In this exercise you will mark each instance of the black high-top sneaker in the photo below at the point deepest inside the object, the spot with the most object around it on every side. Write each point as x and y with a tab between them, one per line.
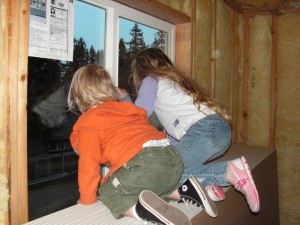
192	192
152	208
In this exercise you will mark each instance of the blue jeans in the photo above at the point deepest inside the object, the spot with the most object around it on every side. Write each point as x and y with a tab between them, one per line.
204	141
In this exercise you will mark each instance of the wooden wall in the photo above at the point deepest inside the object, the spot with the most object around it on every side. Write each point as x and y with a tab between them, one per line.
248	61
14	16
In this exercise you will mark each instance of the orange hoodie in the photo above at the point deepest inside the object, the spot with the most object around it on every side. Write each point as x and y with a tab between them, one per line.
111	133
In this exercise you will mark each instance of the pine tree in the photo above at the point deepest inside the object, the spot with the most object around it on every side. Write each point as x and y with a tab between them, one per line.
159	41
100	57
137	42
122	51
80	58
92	56
124	66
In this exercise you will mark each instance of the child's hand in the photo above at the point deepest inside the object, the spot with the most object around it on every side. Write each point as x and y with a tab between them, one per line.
122	93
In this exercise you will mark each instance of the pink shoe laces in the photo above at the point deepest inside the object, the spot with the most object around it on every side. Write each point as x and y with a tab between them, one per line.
240	184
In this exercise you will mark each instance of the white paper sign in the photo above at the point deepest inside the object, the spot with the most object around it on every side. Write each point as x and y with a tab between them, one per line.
51	29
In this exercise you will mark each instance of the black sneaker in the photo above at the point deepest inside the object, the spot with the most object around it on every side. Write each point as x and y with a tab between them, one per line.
192	192
152	208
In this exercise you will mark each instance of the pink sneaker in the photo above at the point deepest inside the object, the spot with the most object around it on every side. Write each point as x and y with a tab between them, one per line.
245	183
216	193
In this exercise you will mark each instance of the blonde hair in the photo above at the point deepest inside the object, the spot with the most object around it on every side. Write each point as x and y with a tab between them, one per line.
154	62
91	84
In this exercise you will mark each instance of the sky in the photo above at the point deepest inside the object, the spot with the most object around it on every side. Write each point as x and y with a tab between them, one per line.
89	23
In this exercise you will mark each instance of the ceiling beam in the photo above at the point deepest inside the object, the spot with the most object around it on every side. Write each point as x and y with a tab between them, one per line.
234	5
158	10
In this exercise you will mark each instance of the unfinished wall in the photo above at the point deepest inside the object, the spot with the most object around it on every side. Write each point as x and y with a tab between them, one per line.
287	120
287	140
259	82
218	55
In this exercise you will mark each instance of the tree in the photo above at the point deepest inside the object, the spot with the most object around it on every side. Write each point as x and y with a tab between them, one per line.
122	51
92	56
100	57
137	42
159	41
124	66
80	58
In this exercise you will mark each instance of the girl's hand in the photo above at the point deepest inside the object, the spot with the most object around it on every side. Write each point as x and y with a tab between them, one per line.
122	93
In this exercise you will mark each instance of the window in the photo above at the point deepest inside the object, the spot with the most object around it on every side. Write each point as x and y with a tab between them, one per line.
120	21
134	36
102	35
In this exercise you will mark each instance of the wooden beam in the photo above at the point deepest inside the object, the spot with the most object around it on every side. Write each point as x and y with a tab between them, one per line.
4	111
18	22
257	12
158	10
183	47
232	53
273	83
270	11
234	5
193	37
245	79
285	11
213	48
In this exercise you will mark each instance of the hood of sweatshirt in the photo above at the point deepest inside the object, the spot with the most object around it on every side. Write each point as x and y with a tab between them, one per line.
109	114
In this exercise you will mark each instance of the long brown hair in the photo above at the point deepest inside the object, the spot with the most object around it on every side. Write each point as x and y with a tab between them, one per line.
154	62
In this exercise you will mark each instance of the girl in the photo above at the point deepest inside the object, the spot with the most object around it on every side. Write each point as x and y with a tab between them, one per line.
195	123
143	165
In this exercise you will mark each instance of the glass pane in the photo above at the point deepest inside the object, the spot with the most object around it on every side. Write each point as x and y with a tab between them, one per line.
133	37
89	31
52	163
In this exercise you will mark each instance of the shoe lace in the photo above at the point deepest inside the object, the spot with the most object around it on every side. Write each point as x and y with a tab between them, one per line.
188	201
241	183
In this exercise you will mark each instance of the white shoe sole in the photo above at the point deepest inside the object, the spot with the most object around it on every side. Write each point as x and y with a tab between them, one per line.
167	213
209	206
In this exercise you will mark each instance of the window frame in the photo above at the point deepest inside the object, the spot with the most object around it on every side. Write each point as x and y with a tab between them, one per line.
116	10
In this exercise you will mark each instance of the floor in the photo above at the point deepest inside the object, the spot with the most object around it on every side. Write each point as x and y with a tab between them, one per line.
51	196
